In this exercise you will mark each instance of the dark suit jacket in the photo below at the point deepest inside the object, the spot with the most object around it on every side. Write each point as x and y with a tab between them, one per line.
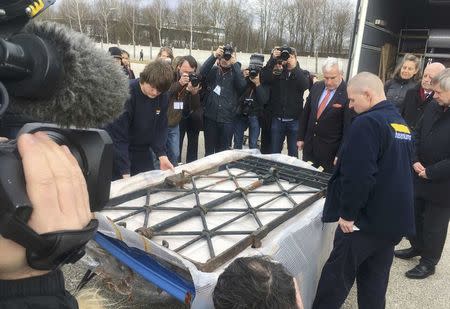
413	106
433	151
323	136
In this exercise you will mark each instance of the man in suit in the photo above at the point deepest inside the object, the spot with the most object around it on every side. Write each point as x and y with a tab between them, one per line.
324	118
417	99
432	182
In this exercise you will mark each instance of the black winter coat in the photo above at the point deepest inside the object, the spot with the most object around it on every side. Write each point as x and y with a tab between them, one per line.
323	136
286	90
42	292
433	151
396	89
413	106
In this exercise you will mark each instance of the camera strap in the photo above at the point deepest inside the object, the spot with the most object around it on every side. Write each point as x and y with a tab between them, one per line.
48	251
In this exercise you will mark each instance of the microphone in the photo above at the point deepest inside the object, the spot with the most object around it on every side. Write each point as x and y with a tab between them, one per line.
54	74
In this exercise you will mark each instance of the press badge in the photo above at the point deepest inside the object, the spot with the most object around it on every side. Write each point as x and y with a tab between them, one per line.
217	90
178	105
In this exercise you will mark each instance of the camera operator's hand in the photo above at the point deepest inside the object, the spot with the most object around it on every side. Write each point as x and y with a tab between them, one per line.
164	164
219	52
233	58
184	79
276	53
256	80
193	90
246	73
57	190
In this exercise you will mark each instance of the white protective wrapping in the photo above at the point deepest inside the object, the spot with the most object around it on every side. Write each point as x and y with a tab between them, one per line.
302	244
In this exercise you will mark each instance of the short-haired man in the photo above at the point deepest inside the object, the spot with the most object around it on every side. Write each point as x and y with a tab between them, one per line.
287	83
143	123
223	85
256	282
432	181
325	117
417	99
370	195
183	98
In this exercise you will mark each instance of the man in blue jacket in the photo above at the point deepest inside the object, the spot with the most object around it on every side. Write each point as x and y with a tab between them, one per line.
371	196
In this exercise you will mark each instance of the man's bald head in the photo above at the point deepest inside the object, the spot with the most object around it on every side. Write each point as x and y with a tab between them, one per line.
431	71
364	91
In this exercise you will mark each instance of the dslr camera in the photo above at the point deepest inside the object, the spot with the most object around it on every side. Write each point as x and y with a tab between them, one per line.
286	52
194	79
247	106
255	65
227	52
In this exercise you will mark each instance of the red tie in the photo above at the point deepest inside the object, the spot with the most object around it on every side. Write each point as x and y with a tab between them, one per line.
323	104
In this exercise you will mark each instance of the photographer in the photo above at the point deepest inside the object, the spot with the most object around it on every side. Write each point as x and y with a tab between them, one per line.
183	98
250	108
223	85
58	193
287	82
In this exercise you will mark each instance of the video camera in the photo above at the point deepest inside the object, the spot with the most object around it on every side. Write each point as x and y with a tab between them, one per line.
29	66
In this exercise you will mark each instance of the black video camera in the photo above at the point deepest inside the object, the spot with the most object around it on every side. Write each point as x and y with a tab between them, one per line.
286	52
255	65
194	79
227	52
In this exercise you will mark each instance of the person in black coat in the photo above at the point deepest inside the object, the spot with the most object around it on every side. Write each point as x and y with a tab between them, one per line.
143	123
325	117
417	99
432	181
370	195
286	82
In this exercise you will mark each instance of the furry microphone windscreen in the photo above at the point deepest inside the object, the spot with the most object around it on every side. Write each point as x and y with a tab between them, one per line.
92	90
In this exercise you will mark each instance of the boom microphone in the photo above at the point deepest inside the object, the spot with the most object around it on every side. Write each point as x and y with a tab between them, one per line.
54	74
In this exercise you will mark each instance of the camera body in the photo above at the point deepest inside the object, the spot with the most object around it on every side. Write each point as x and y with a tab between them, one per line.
286	52
255	65
247	106
227	52
93	149
194	79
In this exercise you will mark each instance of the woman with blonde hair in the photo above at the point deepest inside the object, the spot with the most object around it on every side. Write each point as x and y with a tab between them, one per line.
405	77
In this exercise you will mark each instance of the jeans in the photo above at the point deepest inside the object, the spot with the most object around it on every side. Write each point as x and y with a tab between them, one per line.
240	125
218	136
173	144
280	130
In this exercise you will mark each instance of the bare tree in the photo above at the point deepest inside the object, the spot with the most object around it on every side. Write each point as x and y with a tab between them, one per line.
102	10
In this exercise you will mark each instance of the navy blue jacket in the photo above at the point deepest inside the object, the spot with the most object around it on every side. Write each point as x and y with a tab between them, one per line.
142	124
373	181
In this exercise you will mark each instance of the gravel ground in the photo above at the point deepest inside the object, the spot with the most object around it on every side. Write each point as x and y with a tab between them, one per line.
404	293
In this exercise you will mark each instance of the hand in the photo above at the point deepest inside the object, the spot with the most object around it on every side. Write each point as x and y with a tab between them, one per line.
57	190
164	164
346	226
300	145
193	90
246	73
423	174
219	52
125	176
256	80
3	139
233	58
184	79
418	168
276	53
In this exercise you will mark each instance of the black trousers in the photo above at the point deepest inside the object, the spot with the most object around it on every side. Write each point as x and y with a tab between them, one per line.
359	256
431	230
218	136
192	141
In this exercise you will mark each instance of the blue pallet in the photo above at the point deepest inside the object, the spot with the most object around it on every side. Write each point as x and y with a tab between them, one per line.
146	266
